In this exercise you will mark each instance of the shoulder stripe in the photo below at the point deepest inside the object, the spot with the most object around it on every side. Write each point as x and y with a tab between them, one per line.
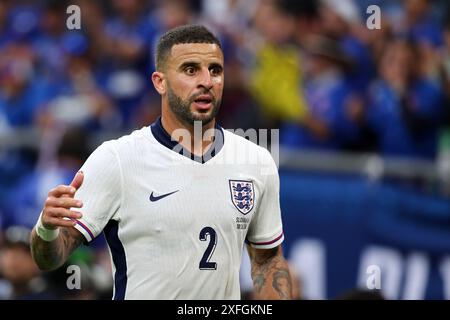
81	224
268	242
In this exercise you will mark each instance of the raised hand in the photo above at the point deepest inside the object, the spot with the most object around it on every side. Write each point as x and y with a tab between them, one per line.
59	202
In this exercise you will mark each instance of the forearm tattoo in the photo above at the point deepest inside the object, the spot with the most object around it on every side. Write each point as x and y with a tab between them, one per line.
271	277
51	255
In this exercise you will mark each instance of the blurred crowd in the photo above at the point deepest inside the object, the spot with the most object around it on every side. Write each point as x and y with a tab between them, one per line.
312	68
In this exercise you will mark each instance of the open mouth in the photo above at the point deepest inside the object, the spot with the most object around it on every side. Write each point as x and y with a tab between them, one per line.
203	101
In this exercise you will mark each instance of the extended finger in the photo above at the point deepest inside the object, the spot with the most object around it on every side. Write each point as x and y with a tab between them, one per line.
77	180
62	190
63	202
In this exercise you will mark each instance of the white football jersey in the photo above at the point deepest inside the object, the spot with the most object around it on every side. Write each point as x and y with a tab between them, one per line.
176	224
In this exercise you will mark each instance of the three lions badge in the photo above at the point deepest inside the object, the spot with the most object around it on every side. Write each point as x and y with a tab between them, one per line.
242	195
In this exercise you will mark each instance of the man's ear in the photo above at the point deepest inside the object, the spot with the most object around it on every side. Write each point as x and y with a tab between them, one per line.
159	82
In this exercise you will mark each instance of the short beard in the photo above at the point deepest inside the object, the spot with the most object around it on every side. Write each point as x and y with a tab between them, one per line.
182	109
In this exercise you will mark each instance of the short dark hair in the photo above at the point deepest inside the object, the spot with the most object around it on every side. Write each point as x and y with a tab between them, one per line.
180	35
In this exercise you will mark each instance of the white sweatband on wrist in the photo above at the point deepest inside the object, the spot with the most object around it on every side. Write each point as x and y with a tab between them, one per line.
44	233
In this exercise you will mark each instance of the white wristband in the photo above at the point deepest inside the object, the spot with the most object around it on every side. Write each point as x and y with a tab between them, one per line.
44	233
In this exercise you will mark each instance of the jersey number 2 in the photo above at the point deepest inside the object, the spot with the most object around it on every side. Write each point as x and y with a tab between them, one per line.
205	264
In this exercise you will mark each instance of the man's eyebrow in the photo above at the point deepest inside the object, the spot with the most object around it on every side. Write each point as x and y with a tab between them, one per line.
216	65
189	64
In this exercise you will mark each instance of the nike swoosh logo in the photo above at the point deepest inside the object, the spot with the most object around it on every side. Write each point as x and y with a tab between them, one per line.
156	198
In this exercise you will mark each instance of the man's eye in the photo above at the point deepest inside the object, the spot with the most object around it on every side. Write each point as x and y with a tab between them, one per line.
216	70
189	70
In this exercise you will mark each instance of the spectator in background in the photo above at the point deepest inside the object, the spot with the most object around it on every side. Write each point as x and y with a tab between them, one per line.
419	23
335	113
22	94
22	205
405	107
80	100
277	72
124	60
127	33
51	59
23	19
21	278
341	21
22	91
307	18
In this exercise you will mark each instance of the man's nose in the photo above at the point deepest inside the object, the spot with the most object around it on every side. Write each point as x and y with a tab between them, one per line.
205	79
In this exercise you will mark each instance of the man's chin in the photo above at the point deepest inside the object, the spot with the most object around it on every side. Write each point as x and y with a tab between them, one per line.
203	117
204	120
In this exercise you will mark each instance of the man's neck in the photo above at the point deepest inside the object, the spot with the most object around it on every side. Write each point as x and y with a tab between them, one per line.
198	142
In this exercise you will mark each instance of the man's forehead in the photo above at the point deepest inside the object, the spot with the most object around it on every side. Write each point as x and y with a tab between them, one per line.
183	51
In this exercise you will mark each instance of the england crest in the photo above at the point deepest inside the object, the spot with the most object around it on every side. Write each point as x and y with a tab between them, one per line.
242	195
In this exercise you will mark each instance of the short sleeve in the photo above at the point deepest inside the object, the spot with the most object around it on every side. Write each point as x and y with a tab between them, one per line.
100	191
266	229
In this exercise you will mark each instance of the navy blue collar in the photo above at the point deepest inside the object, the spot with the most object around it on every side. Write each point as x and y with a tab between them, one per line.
163	137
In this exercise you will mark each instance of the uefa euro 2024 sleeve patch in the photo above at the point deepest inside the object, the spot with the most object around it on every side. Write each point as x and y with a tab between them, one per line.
242	195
